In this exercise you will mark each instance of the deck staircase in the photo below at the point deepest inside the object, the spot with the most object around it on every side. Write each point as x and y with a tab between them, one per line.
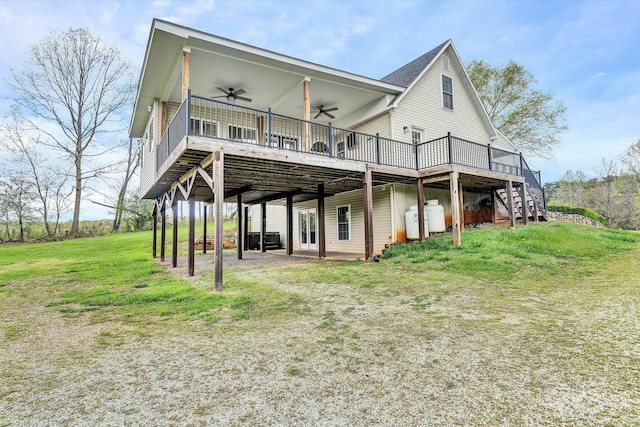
532	205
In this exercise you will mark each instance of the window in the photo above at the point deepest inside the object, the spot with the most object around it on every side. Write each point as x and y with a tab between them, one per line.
416	136
352	140
340	150
243	134
344	223
445	62
203	127
282	141
447	92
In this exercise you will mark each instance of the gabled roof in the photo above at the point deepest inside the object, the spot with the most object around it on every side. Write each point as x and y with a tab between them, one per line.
408	73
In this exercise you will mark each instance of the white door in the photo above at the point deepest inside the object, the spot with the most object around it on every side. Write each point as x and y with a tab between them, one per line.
308	225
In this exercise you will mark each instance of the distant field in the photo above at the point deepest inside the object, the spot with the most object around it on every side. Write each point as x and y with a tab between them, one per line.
537	326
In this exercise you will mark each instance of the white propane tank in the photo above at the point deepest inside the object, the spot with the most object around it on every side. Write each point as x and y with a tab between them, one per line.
411	223
435	216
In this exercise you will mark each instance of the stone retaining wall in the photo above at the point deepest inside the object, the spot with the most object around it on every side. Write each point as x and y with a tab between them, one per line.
573	218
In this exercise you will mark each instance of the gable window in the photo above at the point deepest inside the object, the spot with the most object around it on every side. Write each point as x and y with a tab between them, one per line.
447	92
243	134
344	222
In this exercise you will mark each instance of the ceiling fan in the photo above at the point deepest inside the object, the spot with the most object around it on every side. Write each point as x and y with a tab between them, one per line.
233	94
322	112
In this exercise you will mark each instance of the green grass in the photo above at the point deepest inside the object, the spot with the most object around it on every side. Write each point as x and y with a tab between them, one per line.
538	250
115	277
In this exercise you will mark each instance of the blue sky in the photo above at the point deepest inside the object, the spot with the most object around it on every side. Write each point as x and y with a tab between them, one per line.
585	52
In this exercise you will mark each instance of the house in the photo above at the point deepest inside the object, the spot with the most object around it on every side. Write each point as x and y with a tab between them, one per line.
344	155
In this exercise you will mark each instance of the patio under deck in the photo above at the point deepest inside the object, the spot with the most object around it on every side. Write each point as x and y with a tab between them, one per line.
195	167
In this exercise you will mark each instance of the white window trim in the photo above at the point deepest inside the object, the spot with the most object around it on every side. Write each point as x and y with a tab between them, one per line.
282	141
442	93
255	131
338	222
211	122
418	130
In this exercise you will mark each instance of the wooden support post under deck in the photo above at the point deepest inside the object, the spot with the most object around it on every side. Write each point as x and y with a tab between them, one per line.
174	233
523	204
322	245
263	227
289	224
218	176
306	102
204	229
154	245
163	231
245	229
455	207
421	231
368	214
191	245
461	204
239	245
494	206
185	73
511	206
536	213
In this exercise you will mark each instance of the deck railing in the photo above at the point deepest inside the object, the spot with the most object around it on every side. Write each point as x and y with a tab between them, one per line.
239	124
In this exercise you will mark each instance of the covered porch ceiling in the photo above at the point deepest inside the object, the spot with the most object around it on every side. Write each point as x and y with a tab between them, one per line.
270	79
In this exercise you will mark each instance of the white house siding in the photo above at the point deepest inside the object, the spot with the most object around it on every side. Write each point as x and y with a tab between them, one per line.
148	168
422	107
382	227
378	125
276	220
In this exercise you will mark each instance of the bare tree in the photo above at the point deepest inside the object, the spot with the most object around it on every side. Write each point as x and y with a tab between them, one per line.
631	159
16	199
47	183
75	81
131	166
604	195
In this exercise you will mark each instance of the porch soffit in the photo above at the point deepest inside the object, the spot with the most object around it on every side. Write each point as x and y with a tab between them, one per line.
265	75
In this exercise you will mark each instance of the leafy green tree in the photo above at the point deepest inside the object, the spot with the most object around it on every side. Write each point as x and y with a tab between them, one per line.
530	118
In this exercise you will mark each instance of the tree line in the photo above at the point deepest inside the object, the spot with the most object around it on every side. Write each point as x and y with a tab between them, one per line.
614	191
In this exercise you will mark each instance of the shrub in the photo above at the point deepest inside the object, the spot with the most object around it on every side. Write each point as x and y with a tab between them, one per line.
586	212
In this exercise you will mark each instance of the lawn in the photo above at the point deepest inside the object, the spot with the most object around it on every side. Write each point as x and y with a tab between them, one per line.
534	326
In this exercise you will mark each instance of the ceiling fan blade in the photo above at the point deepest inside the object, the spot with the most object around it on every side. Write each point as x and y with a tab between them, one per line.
318	115
331	109
331	116
242	98
222	90
221	96
239	92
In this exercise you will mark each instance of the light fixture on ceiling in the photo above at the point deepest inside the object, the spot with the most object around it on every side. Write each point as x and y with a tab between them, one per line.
231	98
149	108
